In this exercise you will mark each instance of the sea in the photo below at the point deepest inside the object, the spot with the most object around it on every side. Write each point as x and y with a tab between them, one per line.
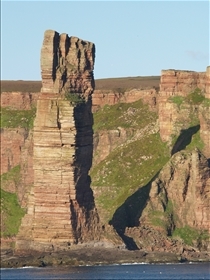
183	271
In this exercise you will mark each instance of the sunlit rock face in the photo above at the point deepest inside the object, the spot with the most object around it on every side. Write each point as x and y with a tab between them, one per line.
180	82
184	183
176	118
67	64
61	209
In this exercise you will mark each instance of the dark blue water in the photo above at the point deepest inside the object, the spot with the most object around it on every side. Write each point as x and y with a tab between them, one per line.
195	271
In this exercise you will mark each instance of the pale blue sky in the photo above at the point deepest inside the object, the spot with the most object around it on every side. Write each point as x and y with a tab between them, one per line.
132	38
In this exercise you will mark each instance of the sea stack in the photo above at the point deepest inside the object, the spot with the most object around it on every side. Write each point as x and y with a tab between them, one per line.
61	209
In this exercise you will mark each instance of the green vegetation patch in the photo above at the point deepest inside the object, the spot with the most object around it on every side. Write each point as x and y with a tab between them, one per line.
74	98
126	169
195	97
206	102
190	235
196	142
157	218
177	100
126	115
11	214
12	175
165	218
17	118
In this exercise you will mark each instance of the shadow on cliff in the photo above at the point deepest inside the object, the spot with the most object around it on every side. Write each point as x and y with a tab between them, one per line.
184	139
83	154
128	214
84	213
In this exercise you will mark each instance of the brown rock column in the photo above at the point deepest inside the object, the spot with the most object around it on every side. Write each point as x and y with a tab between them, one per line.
61	208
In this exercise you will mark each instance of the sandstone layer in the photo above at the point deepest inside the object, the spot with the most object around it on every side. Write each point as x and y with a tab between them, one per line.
177	199
56	156
61	208
12	141
67	64
101	98
179	82
185	183
19	100
174	118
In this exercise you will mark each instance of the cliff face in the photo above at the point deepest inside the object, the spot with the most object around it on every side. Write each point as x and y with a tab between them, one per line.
18	110
55	157
13	138
176	115
204	118
177	82
61	208
180	194
19	100
175	204
11	142
104	97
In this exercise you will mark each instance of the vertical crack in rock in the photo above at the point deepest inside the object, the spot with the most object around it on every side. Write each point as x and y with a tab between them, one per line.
56	55
61	209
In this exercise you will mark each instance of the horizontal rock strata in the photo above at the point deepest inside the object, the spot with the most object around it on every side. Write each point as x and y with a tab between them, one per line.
101	98
178	82
67	64
19	100
61	208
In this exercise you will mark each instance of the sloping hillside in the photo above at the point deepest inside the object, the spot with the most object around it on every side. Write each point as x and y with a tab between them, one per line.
133	163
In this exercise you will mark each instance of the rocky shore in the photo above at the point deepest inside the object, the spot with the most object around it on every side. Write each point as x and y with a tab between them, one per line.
95	256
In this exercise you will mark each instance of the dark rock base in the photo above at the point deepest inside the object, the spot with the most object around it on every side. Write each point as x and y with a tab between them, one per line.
94	256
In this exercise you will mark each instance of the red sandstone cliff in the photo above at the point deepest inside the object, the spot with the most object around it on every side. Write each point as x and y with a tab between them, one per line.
177	199
61	130
175	118
101	98
19	100
185	183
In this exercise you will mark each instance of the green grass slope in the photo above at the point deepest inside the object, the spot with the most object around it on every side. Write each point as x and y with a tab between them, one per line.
17	118
127	115
131	165
11	212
